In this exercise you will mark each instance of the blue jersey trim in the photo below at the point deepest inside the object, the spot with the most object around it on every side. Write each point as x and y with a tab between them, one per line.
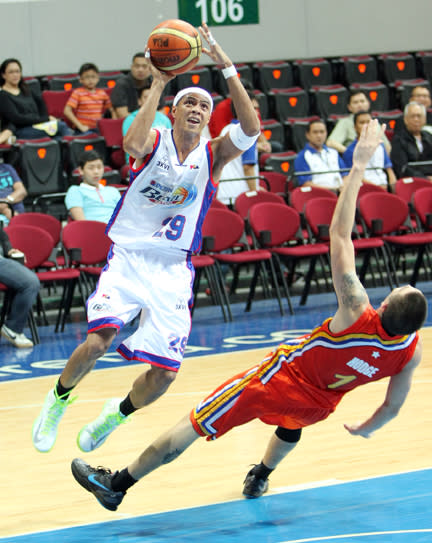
153	359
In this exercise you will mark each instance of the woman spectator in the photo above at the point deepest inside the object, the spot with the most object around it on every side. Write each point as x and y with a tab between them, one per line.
21	109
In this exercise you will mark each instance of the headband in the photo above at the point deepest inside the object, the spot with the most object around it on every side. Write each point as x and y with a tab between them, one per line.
193	90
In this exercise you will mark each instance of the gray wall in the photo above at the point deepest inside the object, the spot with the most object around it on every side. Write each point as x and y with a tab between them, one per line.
57	36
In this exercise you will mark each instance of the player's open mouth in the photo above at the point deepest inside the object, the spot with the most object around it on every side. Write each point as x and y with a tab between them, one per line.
193	120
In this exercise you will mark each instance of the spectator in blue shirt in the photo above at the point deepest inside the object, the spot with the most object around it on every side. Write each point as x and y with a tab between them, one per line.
160	121
379	170
91	200
13	191
323	162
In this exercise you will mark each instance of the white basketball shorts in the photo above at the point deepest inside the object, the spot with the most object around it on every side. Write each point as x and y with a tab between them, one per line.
157	285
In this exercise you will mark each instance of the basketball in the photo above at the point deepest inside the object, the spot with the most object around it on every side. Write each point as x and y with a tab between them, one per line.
175	46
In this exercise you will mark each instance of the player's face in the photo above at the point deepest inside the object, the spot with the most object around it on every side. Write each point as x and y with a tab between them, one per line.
89	79
92	172
317	135
193	111
359	102
140	69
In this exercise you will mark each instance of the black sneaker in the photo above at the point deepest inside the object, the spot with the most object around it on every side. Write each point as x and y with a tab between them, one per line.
254	486
98	481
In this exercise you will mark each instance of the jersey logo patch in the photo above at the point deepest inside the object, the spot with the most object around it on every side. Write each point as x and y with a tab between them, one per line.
182	195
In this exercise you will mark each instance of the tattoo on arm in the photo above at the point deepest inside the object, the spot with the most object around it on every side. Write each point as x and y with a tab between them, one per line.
170	456
353	293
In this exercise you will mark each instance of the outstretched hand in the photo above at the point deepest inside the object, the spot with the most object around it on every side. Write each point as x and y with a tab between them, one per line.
356	430
371	136
215	52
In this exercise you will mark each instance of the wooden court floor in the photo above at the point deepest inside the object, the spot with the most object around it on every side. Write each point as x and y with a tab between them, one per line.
39	493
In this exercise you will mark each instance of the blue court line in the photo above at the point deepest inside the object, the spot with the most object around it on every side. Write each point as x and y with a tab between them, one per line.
394	508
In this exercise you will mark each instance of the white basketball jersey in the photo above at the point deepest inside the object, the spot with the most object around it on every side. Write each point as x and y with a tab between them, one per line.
166	202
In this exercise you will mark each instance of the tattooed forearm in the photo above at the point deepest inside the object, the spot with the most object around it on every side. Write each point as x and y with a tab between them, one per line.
352	291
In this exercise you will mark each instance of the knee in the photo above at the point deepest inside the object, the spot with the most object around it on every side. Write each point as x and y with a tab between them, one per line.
35	284
287	435
97	345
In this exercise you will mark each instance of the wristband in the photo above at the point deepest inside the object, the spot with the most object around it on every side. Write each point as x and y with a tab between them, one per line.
10	198
229	72
241	140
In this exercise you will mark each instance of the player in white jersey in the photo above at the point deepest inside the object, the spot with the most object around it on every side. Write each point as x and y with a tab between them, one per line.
155	228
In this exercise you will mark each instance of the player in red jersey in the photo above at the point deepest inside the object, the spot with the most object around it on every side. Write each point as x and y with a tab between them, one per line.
301	381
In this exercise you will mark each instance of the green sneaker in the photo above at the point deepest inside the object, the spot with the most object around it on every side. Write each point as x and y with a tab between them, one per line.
44	432
95	433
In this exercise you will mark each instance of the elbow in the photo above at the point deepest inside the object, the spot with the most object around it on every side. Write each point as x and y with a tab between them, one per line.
255	129
132	150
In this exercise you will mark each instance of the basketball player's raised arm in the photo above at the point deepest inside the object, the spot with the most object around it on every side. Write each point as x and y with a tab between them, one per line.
248	130
397	392
140	138
352	297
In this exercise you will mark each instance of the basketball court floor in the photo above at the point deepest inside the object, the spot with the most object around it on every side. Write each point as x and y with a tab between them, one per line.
333	486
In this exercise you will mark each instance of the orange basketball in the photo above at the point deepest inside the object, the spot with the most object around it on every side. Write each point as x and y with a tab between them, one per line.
175	46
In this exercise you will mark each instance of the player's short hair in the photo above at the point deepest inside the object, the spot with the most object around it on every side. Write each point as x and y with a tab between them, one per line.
89	156
405	314
87	66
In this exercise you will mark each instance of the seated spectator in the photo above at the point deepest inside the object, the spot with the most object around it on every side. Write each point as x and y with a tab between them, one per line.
124	96
25	285
91	200
245	165
317	157
384	176
24	111
222	116
160	121
11	189
412	144
87	104
344	132
421	95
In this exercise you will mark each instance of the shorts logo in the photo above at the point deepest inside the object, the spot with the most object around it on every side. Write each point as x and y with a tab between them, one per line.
100	307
